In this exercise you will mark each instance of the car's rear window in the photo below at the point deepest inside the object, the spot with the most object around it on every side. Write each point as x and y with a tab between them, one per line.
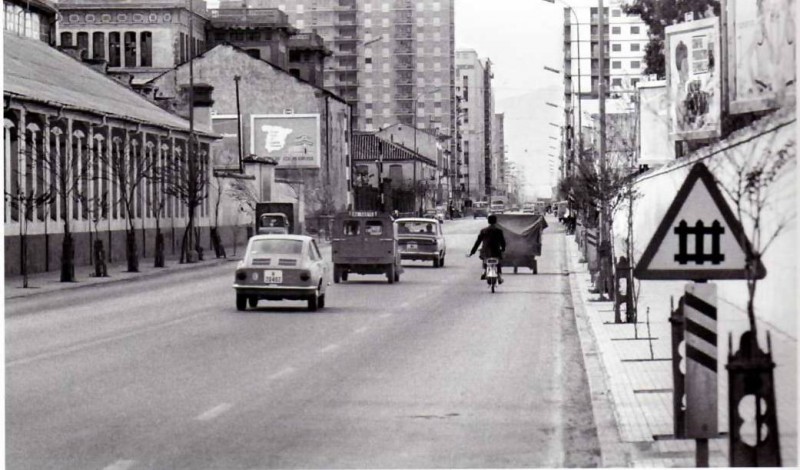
416	227
374	228
276	246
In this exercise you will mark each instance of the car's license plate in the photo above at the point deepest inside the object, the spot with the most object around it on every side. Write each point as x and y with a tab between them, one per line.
411	246
273	277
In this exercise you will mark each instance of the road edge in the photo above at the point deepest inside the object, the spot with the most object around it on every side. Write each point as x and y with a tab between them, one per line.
613	452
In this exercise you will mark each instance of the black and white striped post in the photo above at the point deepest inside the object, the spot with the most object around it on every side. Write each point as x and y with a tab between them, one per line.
700	335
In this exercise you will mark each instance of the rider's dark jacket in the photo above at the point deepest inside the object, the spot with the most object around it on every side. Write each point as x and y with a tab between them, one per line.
494	243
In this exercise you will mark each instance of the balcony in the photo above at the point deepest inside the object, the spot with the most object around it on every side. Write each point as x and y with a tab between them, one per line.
249	18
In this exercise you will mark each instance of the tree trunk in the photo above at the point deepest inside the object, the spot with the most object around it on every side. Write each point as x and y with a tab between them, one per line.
197	246
219	250
100	268
67	259
159	255
23	259
130	251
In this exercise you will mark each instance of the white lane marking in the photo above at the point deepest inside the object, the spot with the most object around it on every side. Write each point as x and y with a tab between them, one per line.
329	348
385	315
404	305
214	412
282	373
98	342
121	465
361	330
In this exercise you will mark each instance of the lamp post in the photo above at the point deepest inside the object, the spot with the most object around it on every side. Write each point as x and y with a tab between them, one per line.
578	50
416	99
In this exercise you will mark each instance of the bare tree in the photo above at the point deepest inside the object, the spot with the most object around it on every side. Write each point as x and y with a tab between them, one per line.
129	164
186	179
763	211
25	204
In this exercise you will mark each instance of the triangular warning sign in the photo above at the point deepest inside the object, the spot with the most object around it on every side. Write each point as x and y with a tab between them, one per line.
699	237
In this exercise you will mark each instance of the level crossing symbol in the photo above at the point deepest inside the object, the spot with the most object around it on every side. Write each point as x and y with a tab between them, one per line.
699	237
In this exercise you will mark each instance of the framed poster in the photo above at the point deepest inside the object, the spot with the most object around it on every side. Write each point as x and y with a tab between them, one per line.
291	139
693	79
761	54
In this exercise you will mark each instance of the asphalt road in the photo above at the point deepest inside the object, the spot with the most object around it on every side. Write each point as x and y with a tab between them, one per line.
434	371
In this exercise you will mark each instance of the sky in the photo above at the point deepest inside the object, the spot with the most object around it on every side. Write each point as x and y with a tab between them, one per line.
520	37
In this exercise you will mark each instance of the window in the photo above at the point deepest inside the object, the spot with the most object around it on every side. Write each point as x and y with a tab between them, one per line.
437	21
146	40
634	81
385	22
130	49
367	60
420	6
634	30
351	227
300	9
66	39
367	24
420	22
616	13
616	64
114	50
635	47
373	228
616	47
635	64
385	7
420	37
437	6
616	30
616	82
83	42
99	45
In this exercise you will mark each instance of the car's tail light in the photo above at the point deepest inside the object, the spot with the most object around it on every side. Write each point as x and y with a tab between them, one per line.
305	275
241	275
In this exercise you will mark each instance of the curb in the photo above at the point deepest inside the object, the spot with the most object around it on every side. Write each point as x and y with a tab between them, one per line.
613	452
152	273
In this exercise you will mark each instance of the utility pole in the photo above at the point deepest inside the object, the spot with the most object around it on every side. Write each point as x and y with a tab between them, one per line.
236	79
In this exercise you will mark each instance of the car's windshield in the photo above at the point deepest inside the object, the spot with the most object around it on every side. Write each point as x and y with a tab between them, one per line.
272	221
416	227
275	246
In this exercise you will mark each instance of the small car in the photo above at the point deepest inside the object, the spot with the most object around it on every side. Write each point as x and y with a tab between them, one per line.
480	209
281	267
421	239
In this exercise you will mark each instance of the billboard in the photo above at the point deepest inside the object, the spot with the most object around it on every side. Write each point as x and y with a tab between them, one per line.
227	148
291	139
655	146
761	54
693	79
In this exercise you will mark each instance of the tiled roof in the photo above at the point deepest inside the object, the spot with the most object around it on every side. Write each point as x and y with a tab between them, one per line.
366	147
37	72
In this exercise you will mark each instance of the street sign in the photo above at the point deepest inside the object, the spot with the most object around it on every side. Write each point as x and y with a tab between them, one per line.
699	238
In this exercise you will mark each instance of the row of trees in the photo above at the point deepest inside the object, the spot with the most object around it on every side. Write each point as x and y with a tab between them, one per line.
50	177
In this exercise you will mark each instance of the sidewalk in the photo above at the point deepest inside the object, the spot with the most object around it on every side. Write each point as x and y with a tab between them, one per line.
46	282
637	376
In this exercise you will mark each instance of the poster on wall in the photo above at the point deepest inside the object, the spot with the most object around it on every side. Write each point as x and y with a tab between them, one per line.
761	54
693	79
226	153
291	139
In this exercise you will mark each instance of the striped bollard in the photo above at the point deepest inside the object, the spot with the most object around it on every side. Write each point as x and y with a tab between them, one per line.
700	318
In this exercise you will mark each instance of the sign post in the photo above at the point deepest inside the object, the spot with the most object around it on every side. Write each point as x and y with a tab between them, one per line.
699	239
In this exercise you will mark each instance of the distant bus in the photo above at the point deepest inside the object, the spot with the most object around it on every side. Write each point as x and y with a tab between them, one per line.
497	205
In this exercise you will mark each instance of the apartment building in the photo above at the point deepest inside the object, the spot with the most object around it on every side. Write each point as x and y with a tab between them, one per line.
393	60
473	85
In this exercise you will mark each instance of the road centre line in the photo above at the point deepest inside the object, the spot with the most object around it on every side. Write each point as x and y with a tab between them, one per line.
121	465
385	315
214	412
361	330
329	348
282	373
98	342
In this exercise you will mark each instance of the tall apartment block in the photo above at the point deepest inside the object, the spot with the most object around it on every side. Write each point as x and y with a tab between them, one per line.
473	85
393	60
625	38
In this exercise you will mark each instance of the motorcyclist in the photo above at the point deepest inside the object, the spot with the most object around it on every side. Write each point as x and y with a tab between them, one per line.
492	243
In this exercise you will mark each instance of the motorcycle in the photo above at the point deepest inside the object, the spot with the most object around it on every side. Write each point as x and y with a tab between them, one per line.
491	272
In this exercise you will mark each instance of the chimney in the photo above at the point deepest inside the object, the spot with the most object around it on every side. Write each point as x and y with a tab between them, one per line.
100	65
202	105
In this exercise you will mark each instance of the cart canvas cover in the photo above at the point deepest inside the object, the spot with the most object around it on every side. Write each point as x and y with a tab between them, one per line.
523	234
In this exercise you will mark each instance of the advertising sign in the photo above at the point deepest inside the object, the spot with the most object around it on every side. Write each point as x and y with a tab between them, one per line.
291	139
693	79
227	148
655	146
761	54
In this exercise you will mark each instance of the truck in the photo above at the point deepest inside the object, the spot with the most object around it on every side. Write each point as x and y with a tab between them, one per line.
275	217
497	204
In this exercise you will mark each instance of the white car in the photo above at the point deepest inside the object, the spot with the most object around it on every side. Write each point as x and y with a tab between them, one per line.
421	239
281	267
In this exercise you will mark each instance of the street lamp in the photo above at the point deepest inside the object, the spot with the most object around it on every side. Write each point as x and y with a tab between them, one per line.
552	105
578	50
419	95
555	125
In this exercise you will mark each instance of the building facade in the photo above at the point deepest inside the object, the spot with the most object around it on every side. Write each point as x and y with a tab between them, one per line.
471	86
499	154
66	127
